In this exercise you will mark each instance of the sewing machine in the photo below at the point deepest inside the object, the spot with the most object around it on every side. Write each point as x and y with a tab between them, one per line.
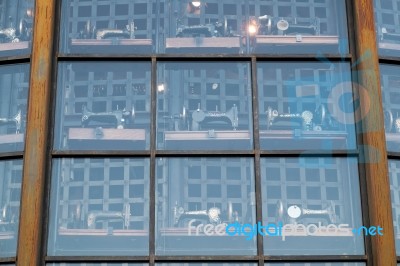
95	217
118	119
217	29
385	35
8	221
297	214
16	120
90	32
391	124
211	216
268	25
307	120
209	119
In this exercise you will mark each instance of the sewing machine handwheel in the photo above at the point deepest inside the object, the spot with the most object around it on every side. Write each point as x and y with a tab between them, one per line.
133	114
388	116
184	117
226	33
280	211
320	114
230	212
269	117
332	212
23	28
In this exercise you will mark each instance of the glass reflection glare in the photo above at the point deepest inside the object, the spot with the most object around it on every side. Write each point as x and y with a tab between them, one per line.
197	198
10	192
317	193
390	79
99	207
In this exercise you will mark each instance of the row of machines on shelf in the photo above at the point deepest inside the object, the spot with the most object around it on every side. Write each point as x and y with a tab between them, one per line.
263	25
307	120
290	214
20	31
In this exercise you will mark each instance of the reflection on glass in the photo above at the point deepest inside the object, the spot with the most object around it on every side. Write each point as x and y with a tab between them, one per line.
197	198
99	207
394	174
16	26
96	264
206	26
204	106
390	79
14	81
387	20
321	195
316	264
103	106
205	264
10	192
305	106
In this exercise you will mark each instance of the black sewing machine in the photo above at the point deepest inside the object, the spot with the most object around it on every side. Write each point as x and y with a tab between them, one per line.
296	214
268	25
211	119
95	217
386	35
16	121
217	29
8	220
307	120
391	124
211	216
90	32
118	119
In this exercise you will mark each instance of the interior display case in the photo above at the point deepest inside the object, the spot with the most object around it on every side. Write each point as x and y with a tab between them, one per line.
126	26
390	80
10	192
99	207
387	20
316	264
316	200
207	26
204	105
16	27
305	106
206	264
103	106
394	175
197	199
14	80
96	264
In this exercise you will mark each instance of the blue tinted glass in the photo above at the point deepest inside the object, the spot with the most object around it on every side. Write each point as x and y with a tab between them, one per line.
305	106
390	79
197	200
99	207
317	264
387	21
16	27
96	264
394	173
14	89
311	206
204	106
10	192
206	264
103	106
206	26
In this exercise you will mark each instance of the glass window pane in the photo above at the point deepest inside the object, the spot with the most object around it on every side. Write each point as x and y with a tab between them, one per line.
14	88
99	207
103	106
207	26
390	80
196	200
16	27
204	106
310	206
96	264
10	193
111	27
394	174
387	21
317	264
206	264
305	106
